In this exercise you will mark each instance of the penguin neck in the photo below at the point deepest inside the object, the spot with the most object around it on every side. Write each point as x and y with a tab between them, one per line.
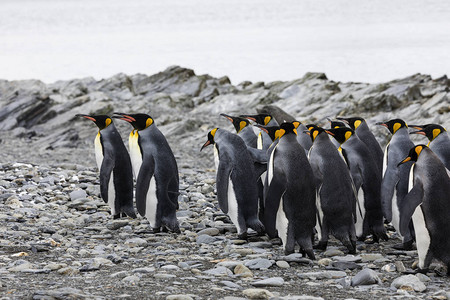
402	133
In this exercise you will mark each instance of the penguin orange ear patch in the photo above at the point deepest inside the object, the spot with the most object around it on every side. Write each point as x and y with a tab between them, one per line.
213	132
315	134
107	122
357	123
242	125
396	127
267	120
148	122
436	132
348	134
418	150
281	132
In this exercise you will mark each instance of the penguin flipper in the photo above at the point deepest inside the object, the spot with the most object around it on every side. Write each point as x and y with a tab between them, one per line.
222	181
143	184
388	184
258	155
105	175
272	199
409	205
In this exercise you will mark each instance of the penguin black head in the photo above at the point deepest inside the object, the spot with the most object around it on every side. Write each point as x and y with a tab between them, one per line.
341	134
413	154
336	124
286	128
311	126
238	122
353	122
270	130
431	131
314	131
138	121
261	119
102	121
210	140
393	125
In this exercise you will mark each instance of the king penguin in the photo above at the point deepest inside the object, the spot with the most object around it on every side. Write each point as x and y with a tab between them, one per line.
359	125
394	184
290	194
156	170
113	161
335	197
367	181
264	140
244	130
427	205
439	141
237	192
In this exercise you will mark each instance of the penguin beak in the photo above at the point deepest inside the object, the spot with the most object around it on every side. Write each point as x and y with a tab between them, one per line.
262	128
418	132
342	119
86	116
329	120
251	118
125	117
205	145
227	116
403	161
329	132
307	132
382	124
416	127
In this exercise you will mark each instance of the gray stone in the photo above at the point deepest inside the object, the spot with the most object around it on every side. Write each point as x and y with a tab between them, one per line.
136	242
274	281
409	282
116	224
205	239
258	263
62	293
297	258
344	265
231	284
131	280
219	271
283	264
370	257
365	277
333	252
144	270
257	294
209	231
77	194
322	275
179	297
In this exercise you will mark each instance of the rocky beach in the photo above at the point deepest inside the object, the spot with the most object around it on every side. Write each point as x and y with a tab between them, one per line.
59	241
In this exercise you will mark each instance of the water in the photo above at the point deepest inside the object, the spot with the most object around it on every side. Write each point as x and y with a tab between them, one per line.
257	40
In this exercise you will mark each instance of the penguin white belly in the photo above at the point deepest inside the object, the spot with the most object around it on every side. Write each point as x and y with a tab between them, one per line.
282	223
216	157
151	203
396	214
98	151
360	213
111	195
233	206
135	153
320	214
385	159
270	168
259	144
423	239
99	158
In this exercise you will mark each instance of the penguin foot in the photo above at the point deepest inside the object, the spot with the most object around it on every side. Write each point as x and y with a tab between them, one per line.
287	252
308	252
243	236
156	230
116	216
422	271
321	246
408	245
350	247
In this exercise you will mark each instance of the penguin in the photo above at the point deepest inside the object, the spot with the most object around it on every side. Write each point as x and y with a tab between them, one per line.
359	125
237	192
289	199
394	183
113	161
264	140
336	124
439	141
244	130
367	182
281	117
157	181
335	198
427	205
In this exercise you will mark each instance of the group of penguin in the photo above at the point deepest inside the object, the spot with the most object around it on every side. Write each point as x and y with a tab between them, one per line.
150	161
290	180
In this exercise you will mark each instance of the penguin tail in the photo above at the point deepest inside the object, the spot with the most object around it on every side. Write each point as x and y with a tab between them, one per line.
256	225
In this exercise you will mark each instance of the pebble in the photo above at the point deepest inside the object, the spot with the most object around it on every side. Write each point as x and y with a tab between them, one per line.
370	257
273	281
258	264
131	280
409	283
322	275
365	277
242	271
77	194
209	231
135	242
205	239
333	252
345	265
231	284
116	224
283	264
219	271
257	294
179	297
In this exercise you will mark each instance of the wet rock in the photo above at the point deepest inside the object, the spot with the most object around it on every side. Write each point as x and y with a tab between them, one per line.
258	263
